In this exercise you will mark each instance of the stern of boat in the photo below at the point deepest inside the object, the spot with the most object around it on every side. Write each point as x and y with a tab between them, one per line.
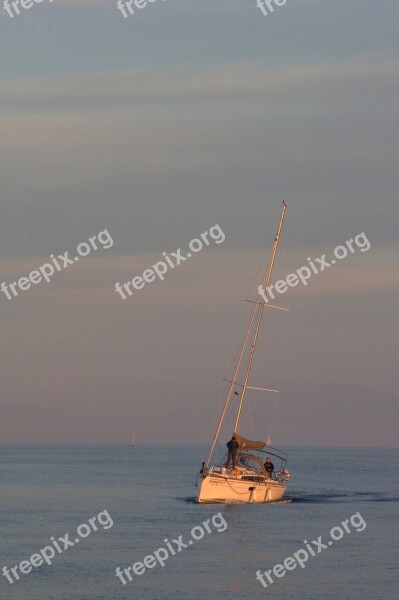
216	489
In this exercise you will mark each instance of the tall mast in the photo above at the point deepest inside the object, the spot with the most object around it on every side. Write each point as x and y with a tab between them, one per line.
265	283
260	305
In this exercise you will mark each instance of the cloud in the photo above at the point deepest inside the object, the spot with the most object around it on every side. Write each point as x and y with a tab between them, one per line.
245	80
93	279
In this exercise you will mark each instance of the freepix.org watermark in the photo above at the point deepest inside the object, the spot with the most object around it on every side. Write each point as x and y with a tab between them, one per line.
160	556
12	6
315	266
171	260
268	6
301	556
126	6
47	554
62	261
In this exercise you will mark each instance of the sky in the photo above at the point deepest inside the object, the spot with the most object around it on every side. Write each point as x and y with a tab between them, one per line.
156	127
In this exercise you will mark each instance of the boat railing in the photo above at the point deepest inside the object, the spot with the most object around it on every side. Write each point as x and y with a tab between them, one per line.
279	454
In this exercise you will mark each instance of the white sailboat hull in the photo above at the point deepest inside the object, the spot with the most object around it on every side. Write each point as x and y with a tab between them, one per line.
225	489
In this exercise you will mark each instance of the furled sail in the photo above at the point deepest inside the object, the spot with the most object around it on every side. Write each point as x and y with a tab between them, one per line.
249	444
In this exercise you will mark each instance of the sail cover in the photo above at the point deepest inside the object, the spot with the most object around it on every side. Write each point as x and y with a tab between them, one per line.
250	444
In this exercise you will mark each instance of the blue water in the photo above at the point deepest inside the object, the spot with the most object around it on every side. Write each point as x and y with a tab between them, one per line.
149	494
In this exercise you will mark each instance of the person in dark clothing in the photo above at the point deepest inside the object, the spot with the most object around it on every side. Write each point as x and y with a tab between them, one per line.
269	466
232	446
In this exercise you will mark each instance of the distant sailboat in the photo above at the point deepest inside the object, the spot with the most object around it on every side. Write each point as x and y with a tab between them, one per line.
249	480
132	444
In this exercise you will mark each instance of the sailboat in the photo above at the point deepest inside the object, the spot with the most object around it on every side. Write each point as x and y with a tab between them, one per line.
132	444
245	478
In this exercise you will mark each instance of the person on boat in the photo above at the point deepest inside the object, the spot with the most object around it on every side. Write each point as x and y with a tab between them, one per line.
232	446
269	466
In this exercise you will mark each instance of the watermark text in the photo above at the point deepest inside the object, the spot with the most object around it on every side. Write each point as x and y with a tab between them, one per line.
160	556
62	261
171	260
314	267
61	544
301	556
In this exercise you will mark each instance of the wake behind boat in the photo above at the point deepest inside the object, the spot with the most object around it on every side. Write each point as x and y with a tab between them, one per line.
245	477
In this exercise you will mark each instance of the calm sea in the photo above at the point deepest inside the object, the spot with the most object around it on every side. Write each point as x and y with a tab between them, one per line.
149	493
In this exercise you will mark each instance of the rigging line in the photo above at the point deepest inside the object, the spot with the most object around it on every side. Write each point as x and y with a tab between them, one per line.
238	340
244	319
228	417
272	419
263	265
256	399
248	416
283	354
231	407
274	359
225	431
218	406
280	377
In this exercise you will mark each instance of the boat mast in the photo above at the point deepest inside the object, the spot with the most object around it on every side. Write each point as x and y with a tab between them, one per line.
261	306
265	283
